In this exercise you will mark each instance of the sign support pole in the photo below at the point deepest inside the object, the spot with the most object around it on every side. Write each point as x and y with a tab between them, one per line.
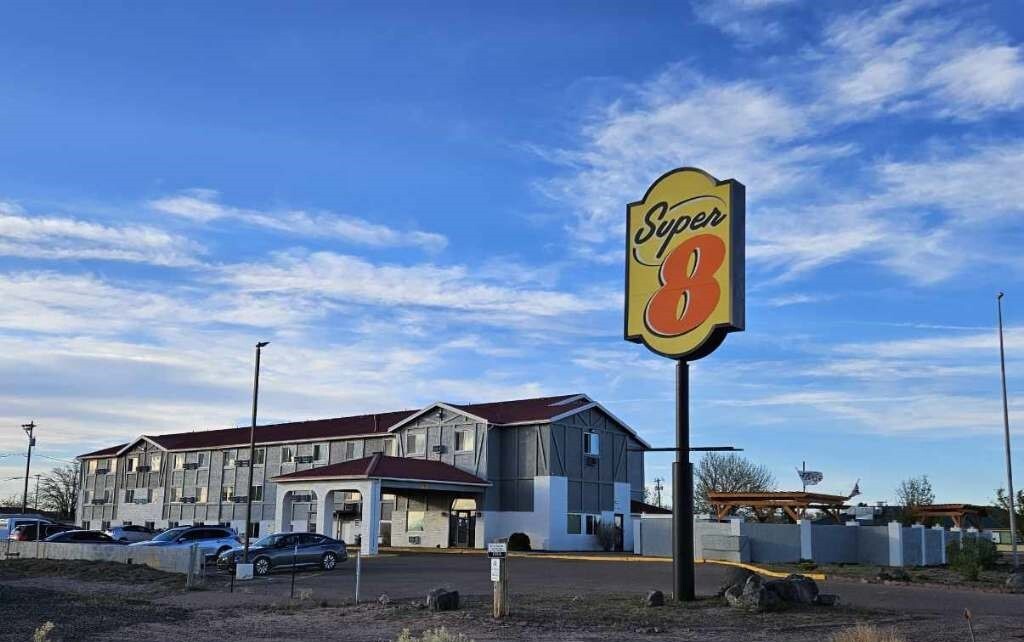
682	493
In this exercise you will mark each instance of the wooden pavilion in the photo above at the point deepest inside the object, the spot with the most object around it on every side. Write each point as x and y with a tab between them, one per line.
959	513
793	504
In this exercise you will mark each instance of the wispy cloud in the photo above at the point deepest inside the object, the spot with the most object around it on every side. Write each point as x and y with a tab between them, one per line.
65	238
202	205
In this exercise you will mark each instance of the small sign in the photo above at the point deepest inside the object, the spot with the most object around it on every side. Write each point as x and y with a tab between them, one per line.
496	569
243	571
810	477
497	549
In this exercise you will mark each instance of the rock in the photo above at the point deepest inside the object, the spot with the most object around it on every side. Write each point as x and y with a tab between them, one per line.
442	600
892	574
655	598
826	599
383	599
1015	583
754	596
804	588
734	577
783	588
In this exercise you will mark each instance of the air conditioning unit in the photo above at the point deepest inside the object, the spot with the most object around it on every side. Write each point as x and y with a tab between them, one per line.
102	471
439	448
304	459
590	460
192	466
241	463
98	502
188	500
141	500
239	499
414	539
143	469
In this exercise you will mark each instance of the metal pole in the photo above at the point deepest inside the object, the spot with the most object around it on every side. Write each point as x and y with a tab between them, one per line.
803	478
29	428
682	493
252	453
37	476
295	555
1006	434
359	572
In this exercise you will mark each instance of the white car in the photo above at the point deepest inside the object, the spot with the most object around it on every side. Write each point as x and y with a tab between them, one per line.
131	533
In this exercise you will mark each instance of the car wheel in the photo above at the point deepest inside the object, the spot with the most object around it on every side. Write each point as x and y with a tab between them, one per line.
328	561
222	550
261	566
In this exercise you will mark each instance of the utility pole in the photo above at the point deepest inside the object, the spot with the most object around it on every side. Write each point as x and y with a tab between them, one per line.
657	489
252	452
29	429
1006	433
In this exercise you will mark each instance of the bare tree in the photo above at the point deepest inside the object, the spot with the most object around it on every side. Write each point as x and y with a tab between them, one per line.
911	493
12	501
58	490
728	473
1002	504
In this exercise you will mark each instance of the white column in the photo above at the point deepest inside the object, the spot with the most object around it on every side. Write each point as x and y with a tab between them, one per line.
806	536
279	506
895	544
370	522
324	509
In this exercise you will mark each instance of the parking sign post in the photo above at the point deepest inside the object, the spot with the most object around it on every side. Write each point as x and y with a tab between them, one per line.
498	554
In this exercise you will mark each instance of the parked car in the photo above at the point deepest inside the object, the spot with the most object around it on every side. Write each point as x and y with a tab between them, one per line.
82	537
279	551
212	540
131	533
39	530
10	523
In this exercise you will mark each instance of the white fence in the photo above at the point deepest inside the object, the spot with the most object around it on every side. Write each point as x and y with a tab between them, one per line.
171	560
740	541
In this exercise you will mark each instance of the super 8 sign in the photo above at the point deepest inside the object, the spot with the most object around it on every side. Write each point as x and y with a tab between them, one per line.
685	264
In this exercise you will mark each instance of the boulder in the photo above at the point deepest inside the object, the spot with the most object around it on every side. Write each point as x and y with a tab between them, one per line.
1015	583
442	600
783	588
655	598
384	599
753	596
734	577
805	590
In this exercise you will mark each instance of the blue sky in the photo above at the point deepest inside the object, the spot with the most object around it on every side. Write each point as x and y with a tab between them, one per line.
418	201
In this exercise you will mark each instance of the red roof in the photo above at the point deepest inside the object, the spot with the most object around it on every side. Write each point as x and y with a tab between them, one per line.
385	467
501	412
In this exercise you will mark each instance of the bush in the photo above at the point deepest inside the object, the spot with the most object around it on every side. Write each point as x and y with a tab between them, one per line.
606	535
436	635
519	542
976	554
866	633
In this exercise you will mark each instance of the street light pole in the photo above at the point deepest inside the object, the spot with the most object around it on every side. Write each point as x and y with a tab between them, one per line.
1006	435
29	429
252	451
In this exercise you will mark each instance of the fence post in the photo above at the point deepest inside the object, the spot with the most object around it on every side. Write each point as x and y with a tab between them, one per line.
895	544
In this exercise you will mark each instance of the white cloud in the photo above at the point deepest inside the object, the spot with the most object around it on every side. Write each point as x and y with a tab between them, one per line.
748	21
202	206
55	237
797	298
980	79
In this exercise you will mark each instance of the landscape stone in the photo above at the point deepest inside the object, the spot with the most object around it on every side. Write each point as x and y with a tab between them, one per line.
655	598
442	600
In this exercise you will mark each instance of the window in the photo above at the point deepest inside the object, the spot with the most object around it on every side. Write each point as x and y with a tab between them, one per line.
201	460
150	525
592	522
254	529
287	454
171	525
415	443
414	520
575	524
131	464
261	457
389	447
319	452
350	450
129	496
229	458
112	465
93	464
154	463
201	495
464	440
175	495
88	495
227	493
106	495
591	444
86	525
105	526
179	462
257	493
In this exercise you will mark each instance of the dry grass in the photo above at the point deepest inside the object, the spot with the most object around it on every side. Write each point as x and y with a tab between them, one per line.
866	633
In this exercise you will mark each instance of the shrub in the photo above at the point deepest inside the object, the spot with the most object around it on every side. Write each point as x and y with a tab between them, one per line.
866	633
436	635
606	535
973	556
43	633
519	542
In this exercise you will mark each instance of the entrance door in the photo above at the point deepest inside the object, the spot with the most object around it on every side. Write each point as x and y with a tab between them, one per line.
462	529
618	532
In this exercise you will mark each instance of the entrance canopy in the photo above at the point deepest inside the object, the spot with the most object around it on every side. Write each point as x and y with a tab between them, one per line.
959	513
763	505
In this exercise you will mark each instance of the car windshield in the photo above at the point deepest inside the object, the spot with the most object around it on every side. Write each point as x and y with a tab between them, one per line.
268	541
169	535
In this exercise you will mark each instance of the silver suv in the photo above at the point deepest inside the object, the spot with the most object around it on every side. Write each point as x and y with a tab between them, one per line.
212	540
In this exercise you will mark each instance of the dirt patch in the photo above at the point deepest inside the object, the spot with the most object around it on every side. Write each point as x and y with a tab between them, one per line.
990	580
76	616
132	575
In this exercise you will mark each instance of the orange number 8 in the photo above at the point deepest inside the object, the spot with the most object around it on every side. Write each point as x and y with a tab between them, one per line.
696	289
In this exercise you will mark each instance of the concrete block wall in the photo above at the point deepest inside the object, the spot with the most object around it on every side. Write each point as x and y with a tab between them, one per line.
171	560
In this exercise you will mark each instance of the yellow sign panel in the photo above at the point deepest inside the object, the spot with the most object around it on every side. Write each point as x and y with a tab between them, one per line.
685	264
